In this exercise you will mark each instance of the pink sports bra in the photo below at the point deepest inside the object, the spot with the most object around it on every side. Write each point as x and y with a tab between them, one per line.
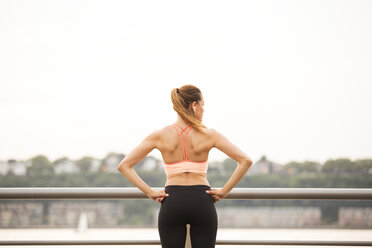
185	165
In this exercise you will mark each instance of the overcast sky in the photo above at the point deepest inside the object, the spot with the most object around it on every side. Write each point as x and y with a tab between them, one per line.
287	79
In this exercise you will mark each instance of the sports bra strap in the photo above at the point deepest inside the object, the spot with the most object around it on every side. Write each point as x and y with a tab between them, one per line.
179	136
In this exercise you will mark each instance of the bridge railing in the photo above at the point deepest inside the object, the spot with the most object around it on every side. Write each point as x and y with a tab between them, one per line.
236	193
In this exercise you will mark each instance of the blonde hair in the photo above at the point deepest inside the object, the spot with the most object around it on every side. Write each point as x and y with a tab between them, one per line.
182	98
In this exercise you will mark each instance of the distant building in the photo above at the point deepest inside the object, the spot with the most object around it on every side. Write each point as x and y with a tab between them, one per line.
96	165
111	162
264	166
355	217
60	214
14	167
21	214
66	166
269	217
99	214
149	163
3	167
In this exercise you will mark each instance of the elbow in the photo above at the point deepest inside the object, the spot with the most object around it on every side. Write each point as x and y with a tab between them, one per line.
250	162
121	167
247	162
124	167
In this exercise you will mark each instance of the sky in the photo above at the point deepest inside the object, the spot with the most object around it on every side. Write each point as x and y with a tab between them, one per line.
290	80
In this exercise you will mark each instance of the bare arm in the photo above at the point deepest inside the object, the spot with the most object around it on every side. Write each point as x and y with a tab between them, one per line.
244	161
133	158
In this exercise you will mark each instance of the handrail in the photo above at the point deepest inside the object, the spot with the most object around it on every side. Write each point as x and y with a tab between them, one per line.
157	242
135	193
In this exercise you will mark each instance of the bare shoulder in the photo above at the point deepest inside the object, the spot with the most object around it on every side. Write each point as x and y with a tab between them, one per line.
222	143
219	140
214	136
213	133
162	132
157	134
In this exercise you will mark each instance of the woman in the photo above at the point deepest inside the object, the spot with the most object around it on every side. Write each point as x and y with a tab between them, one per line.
188	197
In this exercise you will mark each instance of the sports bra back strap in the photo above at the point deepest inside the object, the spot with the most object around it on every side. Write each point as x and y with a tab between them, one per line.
181	128
187	132
184	153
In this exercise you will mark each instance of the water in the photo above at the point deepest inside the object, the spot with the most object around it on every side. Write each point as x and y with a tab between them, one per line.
152	234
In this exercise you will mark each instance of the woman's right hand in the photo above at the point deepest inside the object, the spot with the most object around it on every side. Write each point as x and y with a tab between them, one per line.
158	196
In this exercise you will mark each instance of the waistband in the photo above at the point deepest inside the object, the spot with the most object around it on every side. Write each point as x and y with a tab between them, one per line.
201	187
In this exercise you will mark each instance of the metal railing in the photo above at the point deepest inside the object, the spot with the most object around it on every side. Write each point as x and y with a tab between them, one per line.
236	193
134	193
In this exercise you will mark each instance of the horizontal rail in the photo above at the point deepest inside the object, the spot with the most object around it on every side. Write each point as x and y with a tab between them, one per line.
135	193
157	242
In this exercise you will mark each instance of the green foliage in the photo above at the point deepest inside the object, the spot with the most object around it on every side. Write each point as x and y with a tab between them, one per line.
229	165
40	165
84	164
339	166
363	166
63	159
306	167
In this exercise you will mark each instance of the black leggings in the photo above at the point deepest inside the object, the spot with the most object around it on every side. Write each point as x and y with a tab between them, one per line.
187	204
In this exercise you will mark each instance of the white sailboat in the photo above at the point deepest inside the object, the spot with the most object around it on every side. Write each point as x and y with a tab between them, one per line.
83	222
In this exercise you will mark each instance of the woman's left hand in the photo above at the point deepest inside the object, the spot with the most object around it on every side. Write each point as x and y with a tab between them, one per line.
217	194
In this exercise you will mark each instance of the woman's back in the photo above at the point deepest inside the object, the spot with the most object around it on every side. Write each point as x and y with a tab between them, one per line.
171	148
185	154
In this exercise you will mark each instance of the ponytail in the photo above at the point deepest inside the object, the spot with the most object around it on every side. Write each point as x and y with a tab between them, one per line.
181	99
